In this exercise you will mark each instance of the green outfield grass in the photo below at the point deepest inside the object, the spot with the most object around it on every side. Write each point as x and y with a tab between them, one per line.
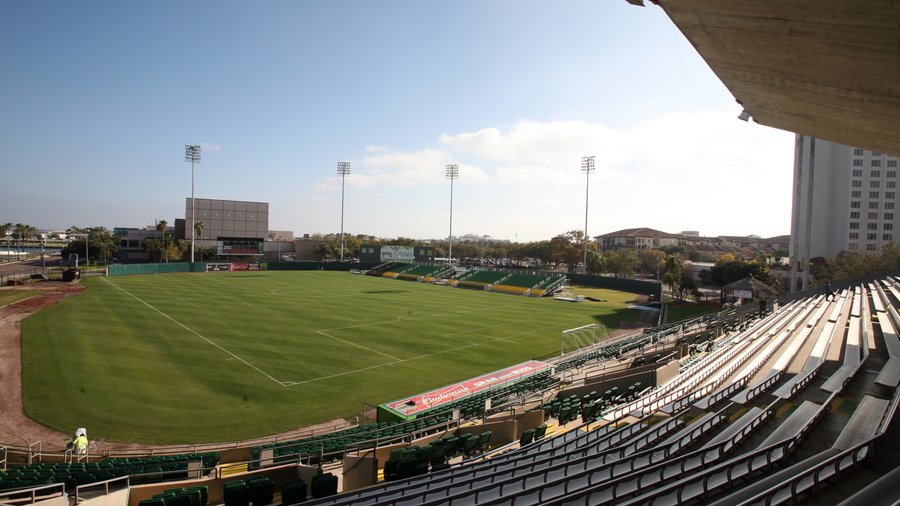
187	358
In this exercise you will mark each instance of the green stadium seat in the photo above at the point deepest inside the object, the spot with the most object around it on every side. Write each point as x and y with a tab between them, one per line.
325	485
262	490
438	452
204	493
179	500
236	493
392	469
527	437
484	440
293	492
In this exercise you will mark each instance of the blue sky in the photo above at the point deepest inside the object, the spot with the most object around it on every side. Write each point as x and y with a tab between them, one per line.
97	100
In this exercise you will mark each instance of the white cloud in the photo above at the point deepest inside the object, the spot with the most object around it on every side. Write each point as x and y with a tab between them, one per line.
542	143
405	169
704	170
701	170
209	147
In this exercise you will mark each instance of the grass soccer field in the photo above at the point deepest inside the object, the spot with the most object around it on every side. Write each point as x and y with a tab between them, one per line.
188	358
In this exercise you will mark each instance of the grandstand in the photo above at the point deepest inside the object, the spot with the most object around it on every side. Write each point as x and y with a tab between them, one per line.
534	284
742	408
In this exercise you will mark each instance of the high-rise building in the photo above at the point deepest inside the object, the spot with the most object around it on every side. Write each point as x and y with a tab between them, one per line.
844	199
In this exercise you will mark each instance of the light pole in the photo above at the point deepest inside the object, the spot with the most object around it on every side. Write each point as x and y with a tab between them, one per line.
587	166
452	172
343	170
192	154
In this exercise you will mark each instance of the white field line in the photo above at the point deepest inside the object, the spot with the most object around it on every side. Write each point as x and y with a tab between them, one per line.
395	359
192	331
409	319
326	334
18	301
400	361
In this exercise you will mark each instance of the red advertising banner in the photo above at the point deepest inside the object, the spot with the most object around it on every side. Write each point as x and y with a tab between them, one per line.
450	393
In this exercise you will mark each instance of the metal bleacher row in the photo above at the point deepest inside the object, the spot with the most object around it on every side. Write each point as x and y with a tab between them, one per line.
771	413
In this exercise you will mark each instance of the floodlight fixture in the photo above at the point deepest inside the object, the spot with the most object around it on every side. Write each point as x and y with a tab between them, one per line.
587	166
343	170
744	115
451	171
192	154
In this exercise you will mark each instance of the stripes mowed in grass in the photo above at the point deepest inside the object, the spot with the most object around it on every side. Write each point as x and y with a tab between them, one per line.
186	358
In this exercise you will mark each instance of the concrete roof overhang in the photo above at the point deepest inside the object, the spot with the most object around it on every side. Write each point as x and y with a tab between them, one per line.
824	68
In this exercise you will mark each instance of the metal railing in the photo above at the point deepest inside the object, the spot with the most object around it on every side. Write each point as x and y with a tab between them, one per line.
32	494
105	484
35	450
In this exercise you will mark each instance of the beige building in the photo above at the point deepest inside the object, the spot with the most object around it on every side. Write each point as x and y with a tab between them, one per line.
227	218
637	238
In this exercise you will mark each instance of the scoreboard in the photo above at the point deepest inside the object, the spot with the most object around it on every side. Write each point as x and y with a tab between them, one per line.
240	246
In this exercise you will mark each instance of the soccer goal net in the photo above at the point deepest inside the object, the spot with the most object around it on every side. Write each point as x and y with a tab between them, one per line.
582	337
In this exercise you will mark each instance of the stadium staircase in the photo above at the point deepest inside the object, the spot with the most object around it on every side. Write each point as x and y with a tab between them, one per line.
423	272
383	269
521	284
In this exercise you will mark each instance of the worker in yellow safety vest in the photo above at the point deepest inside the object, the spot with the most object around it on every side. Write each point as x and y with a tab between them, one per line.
80	444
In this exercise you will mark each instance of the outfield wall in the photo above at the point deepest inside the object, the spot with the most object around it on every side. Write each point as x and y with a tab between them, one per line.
132	269
319	266
620	284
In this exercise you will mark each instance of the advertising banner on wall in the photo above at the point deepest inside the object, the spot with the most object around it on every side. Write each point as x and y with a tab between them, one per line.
423	402
397	254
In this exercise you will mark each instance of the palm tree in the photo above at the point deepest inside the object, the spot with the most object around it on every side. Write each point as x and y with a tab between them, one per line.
161	227
4	231
198	229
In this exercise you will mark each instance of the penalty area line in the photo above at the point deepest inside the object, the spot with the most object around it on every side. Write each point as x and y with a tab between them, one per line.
192	331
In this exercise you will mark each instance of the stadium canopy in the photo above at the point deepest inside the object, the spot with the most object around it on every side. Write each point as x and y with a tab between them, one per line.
824	68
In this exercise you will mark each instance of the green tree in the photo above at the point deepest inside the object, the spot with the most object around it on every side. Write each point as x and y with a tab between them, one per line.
622	262
5	231
687	286
567	248
673	272
651	261
93	243
103	244
161	227
596	263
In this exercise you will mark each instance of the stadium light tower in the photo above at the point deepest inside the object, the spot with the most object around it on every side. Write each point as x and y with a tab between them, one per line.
192	154
343	170
587	166
452	172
